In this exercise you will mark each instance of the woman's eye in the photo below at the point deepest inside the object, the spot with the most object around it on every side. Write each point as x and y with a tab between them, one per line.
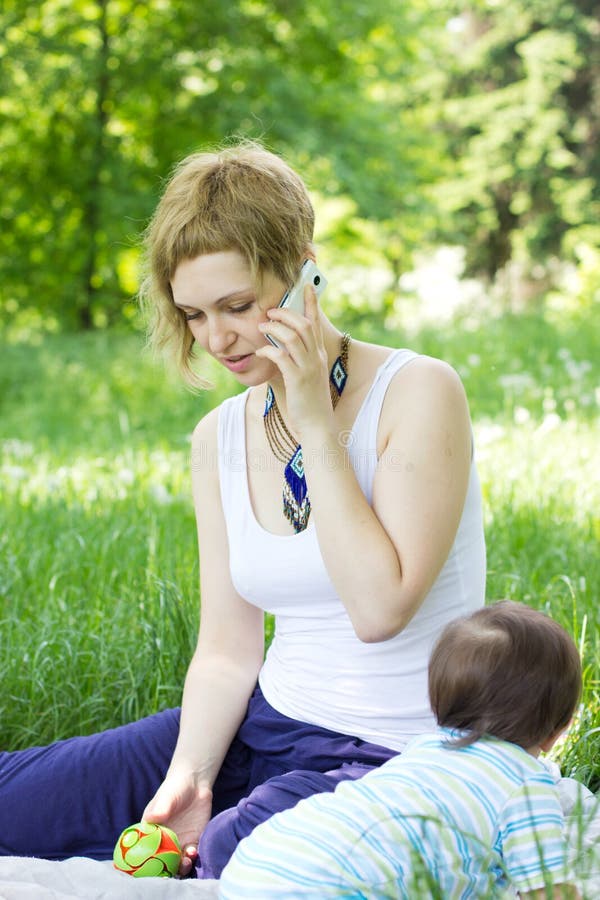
191	316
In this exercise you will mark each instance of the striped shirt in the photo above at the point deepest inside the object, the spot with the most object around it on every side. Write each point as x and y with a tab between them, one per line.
466	822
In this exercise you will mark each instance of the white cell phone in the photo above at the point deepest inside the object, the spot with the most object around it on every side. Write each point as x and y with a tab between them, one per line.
294	298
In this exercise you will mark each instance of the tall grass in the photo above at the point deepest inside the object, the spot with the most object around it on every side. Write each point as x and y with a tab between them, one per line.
98	563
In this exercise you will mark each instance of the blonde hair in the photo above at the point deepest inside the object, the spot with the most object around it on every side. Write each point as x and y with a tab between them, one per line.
240	198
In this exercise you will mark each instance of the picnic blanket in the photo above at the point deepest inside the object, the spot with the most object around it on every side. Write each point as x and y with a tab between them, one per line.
24	878
79	878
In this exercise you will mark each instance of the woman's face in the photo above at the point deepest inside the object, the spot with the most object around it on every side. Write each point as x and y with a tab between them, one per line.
219	299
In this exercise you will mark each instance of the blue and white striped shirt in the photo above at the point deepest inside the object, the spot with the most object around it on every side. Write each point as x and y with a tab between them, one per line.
463	822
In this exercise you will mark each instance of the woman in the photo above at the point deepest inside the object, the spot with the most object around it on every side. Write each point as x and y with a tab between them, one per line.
377	545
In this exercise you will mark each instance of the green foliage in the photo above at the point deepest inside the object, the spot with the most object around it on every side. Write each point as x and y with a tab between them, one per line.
101	97
520	108
475	125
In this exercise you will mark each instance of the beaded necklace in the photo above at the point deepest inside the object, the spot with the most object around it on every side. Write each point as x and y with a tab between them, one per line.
285	447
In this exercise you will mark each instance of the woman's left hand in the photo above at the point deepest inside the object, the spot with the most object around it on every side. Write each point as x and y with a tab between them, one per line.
302	361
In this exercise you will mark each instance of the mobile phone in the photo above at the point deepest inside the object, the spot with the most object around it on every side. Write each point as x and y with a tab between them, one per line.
294	298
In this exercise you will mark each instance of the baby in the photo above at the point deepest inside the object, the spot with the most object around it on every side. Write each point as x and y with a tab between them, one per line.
469	811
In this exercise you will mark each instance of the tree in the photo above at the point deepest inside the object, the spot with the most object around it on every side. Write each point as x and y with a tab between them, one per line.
103	96
520	103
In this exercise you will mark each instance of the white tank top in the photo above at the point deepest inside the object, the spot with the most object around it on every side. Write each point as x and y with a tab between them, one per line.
316	669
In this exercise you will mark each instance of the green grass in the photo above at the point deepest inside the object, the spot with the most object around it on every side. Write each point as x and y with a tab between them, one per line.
98	562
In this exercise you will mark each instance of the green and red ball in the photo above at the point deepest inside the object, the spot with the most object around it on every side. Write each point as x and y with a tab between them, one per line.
146	850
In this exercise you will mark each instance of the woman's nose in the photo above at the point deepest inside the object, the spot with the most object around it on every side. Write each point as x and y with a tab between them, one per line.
219	337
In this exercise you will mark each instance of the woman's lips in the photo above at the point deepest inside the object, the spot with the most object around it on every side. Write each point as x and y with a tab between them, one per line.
236	363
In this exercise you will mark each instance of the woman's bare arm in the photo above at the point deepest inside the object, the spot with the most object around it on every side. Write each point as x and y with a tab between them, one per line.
223	670
384	559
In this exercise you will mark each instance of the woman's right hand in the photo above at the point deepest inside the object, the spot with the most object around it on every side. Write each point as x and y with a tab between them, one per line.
185	807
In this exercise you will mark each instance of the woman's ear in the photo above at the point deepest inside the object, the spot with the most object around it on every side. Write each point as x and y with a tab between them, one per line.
309	253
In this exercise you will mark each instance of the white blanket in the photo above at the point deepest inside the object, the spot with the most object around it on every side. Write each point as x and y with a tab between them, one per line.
77	878
85	879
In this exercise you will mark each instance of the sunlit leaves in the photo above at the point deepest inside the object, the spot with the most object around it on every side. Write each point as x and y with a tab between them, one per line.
101	97
470	124
519	112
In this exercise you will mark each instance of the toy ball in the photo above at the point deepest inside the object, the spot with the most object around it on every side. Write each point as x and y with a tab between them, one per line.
146	850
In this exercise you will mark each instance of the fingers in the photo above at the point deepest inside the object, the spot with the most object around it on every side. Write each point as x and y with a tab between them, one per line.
157	811
280	357
311	305
185	867
190	854
290	342
150	815
298	334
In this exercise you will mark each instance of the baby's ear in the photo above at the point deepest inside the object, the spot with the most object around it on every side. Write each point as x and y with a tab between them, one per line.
549	743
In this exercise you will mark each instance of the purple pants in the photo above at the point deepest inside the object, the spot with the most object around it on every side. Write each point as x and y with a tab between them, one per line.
73	798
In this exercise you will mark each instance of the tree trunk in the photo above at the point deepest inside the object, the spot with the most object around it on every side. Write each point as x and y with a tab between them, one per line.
92	205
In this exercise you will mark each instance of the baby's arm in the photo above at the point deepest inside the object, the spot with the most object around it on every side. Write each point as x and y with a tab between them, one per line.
293	854
533	842
310	852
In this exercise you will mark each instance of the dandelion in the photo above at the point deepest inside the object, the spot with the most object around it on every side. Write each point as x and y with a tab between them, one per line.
550	422
14	473
549	402
488	433
517	382
521	415
577	370
160	494
19	449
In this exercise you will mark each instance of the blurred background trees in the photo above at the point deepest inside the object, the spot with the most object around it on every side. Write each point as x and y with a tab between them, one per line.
416	124
522	116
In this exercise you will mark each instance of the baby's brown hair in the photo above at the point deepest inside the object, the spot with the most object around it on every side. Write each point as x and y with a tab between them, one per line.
506	671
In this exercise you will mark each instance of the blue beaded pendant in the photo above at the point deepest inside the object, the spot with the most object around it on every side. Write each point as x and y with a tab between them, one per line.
269	400
296	505
338	375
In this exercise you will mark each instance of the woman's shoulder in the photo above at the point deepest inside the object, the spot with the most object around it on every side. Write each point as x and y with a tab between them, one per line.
204	436
430	372
416	370
424	389
207	428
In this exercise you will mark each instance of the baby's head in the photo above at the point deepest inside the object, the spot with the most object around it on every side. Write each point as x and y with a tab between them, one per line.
507	671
